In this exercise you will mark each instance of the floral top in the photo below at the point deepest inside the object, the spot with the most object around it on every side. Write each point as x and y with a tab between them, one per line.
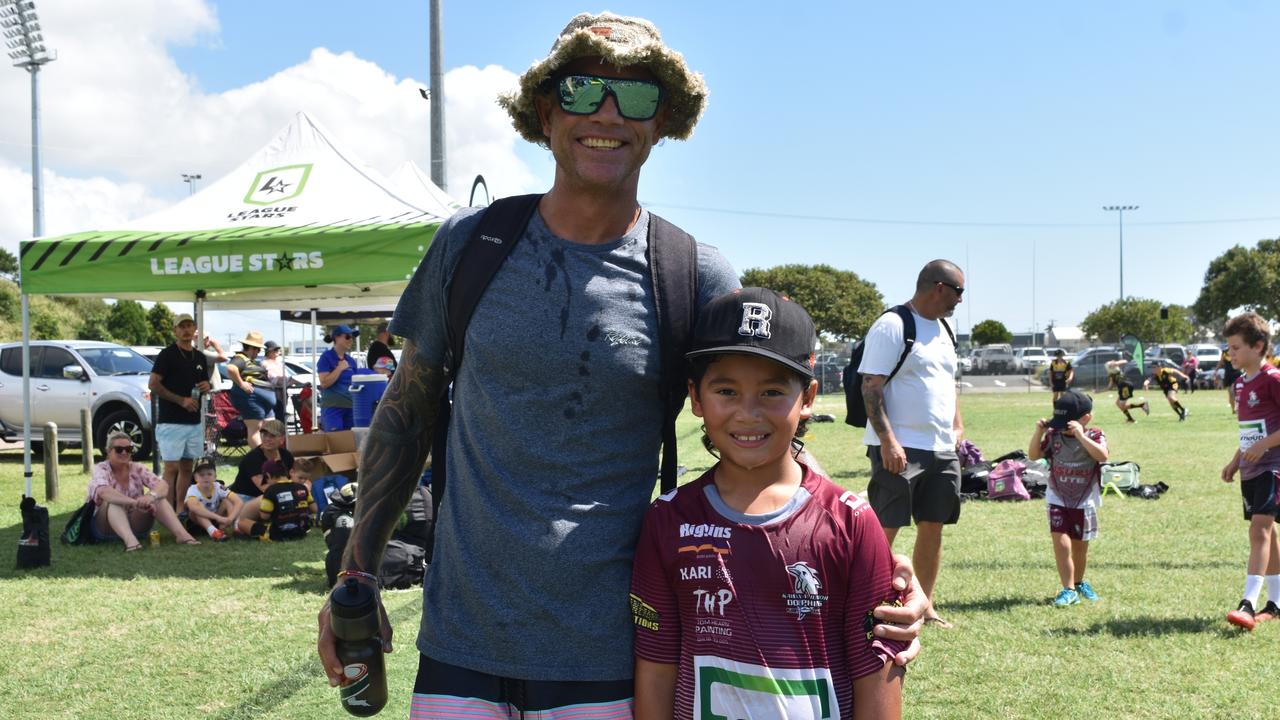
139	477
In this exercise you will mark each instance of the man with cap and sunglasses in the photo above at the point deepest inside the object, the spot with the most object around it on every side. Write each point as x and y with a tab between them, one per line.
178	378
557	411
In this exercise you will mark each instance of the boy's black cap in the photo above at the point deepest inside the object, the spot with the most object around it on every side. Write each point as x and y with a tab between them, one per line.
756	321
1071	405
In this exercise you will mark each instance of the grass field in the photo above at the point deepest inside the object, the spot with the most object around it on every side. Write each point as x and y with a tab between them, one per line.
227	631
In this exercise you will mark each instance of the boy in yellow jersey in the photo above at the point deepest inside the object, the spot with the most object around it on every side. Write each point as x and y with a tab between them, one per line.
1229	375
1124	388
1060	374
1167	379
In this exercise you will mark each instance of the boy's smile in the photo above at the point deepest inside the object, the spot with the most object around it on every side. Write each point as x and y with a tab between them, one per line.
751	407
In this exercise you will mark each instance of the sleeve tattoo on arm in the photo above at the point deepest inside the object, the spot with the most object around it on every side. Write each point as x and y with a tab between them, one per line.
873	398
393	456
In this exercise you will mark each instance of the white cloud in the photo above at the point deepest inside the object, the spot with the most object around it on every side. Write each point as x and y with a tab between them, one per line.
121	122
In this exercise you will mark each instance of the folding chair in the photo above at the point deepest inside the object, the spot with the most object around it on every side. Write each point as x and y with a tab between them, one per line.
225	432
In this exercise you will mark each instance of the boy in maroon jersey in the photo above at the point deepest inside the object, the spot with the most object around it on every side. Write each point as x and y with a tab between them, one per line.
753	587
1257	393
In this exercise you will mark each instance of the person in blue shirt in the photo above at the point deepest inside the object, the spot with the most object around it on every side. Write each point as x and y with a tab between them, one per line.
335	369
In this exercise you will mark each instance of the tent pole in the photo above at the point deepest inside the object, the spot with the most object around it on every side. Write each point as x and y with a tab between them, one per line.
315	374
26	394
205	398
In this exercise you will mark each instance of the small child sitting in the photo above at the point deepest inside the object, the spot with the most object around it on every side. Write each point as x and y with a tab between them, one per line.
287	507
210	506
1075	452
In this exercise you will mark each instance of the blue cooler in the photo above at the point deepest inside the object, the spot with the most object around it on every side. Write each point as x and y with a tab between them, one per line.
366	391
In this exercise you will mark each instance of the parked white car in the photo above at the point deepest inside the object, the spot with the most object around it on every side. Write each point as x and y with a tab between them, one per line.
67	375
1029	359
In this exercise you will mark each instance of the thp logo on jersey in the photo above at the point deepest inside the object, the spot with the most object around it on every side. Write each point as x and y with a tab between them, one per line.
755	320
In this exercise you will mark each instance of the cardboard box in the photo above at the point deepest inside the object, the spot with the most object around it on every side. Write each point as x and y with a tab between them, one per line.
337	451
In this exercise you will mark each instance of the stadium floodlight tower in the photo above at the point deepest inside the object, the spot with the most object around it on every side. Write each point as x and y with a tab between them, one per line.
26	47
190	179
1120	210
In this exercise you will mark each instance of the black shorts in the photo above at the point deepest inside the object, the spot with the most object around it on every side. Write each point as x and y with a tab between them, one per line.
443	690
927	491
1060	385
1126	390
1259	494
1167	388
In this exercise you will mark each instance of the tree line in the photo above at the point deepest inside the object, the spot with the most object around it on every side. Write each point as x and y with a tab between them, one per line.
842	304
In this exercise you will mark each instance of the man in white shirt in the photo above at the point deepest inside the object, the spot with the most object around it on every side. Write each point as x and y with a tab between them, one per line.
913	421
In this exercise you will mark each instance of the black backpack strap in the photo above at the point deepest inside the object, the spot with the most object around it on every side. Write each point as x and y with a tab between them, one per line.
495	235
908	336
673	263
950	333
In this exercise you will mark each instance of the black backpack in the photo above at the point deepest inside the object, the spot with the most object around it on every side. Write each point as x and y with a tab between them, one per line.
855	406
673	265
33	546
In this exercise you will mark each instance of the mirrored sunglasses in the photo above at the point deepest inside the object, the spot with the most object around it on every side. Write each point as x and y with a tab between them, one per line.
584	94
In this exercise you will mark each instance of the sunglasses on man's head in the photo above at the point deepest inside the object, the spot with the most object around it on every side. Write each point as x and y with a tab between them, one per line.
122	449
959	290
584	94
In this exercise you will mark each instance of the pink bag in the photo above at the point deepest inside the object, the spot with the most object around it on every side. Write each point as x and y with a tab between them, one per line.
1005	481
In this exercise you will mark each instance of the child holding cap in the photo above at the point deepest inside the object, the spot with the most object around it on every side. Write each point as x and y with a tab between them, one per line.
1075	452
753	587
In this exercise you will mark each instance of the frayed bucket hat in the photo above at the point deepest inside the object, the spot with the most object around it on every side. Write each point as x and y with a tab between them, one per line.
621	41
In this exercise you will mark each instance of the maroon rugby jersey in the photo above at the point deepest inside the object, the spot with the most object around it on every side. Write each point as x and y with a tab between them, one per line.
1258	410
764	621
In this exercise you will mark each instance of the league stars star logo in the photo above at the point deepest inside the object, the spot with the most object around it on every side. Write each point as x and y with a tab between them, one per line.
284	262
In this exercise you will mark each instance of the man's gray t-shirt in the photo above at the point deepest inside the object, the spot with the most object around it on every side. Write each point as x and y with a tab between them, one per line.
552	454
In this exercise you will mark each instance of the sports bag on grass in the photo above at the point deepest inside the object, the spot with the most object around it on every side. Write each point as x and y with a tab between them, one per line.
1005	482
77	530
973	479
33	546
1122	475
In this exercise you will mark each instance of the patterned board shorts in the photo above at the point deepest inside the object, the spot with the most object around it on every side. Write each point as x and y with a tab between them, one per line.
1075	523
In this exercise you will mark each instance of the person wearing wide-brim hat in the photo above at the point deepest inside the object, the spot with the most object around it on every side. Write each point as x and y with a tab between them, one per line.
563	344
251	390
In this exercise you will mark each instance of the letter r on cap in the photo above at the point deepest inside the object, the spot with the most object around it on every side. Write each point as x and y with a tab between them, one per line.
755	320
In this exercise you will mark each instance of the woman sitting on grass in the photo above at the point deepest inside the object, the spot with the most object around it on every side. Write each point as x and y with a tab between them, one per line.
123	511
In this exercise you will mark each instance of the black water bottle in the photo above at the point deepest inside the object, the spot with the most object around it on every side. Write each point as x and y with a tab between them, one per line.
356	623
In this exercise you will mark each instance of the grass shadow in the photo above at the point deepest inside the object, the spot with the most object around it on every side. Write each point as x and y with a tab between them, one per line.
1156	563
993	604
1148	627
235	559
298	675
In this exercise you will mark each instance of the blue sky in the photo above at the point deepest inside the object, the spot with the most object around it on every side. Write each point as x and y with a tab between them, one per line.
875	137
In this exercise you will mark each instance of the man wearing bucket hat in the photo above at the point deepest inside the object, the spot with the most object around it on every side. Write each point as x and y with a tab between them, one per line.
251	390
557	412
178	379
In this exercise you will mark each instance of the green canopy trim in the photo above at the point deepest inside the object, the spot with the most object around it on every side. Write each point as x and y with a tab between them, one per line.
130	262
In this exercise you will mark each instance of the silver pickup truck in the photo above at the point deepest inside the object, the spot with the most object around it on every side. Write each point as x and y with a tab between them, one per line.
66	375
